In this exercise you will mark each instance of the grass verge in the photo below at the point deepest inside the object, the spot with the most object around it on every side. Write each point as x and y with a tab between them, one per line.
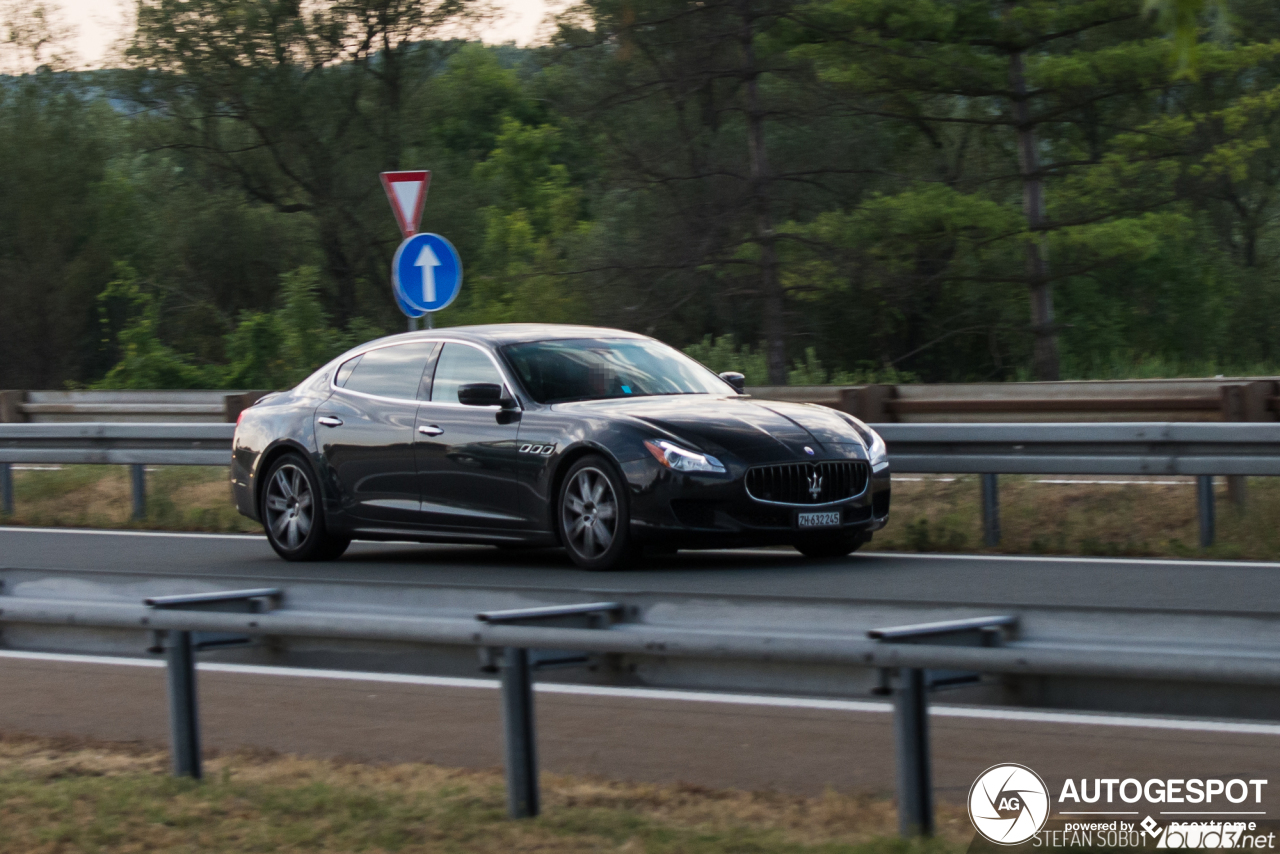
1152	519
933	514
181	498
75	797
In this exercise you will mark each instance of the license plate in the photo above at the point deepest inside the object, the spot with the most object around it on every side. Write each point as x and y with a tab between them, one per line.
818	520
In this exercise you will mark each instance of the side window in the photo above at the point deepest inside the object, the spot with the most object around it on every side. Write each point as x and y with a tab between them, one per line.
394	371
344	373
459	365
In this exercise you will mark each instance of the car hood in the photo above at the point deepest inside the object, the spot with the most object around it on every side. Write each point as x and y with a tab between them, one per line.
754	430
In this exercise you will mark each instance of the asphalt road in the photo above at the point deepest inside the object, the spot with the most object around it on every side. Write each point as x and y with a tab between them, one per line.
801	750
722	745
1196	586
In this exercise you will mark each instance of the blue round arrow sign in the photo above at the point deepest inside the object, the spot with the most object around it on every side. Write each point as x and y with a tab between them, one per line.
426	274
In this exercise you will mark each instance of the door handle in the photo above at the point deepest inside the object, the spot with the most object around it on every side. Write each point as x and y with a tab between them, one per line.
330	421
430	430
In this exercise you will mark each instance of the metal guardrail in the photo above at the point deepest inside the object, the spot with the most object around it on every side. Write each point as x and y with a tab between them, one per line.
1209	399
905	652
133	445
1203	399
988	449
117	444
125	405
1150	448
1140	448
1137	448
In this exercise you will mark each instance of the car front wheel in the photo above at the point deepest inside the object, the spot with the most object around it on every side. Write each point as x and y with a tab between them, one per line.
594	516
292	515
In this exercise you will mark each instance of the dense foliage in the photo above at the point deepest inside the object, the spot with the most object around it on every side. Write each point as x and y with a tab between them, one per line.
805	190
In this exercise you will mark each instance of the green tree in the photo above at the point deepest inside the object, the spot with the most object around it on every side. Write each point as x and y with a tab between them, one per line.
1054	108
299	106
56	139
709	134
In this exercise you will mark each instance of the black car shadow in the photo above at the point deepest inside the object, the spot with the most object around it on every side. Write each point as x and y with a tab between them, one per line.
550	558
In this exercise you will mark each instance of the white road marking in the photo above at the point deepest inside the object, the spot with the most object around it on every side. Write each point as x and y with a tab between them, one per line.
20	529
1171	562
108	532
865	706
1126	482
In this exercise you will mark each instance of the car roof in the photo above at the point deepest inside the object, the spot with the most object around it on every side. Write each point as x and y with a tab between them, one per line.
499	334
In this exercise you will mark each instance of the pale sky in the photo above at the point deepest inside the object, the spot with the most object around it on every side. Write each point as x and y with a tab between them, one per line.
100	23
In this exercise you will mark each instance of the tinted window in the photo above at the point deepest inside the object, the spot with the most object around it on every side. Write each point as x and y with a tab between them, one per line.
344	373
394	371
459	365
591	369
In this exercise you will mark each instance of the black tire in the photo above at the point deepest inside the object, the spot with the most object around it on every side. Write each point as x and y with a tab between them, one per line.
293	513
594	516
837	546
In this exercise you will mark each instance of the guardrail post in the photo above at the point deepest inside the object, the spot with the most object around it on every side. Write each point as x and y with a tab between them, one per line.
1237	489
991	510
520	735
138	479
184	717
911	729
1204	500
911	706
11	407
6	489
181	648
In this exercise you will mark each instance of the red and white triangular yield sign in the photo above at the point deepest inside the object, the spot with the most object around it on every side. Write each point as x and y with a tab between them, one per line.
407	191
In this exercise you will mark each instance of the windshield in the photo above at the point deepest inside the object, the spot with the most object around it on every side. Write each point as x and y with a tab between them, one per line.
599	368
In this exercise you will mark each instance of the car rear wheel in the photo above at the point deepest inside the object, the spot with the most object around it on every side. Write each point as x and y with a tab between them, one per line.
837	546
595	521
292	515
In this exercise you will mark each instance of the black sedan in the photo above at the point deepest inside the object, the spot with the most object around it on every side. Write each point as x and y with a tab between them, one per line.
605	442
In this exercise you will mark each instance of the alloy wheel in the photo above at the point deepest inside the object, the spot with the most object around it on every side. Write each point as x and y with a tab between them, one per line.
290	506
590	513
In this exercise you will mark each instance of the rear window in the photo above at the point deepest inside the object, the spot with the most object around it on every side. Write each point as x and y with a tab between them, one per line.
394	371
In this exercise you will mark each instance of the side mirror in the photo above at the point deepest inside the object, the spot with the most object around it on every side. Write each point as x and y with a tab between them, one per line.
480	394
735	379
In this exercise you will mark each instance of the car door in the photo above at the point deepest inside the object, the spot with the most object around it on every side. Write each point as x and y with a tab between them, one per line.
365	432
466	454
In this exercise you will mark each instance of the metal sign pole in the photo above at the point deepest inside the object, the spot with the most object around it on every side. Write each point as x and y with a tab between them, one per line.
430	316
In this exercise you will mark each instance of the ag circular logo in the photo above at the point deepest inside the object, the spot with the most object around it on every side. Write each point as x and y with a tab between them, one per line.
1008	804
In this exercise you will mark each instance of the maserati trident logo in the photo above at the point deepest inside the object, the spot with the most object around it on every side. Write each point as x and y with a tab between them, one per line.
815	485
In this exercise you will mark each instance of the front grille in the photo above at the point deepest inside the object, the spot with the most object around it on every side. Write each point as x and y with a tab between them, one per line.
807	483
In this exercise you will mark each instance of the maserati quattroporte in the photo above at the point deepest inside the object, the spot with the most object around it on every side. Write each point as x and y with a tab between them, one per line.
607	443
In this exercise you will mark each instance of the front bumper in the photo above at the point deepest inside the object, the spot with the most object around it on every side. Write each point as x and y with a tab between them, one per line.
676	510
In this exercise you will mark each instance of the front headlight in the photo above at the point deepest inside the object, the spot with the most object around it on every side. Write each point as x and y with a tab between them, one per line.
675	457
877	453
